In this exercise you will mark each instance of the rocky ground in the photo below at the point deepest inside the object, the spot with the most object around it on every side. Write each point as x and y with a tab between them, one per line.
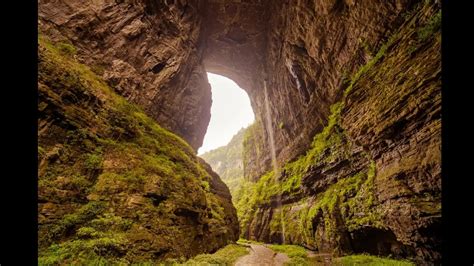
261	255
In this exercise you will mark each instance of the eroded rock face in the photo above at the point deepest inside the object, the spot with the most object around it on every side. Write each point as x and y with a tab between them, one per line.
234	40
114	186
304	49
371	181
146	50
312	48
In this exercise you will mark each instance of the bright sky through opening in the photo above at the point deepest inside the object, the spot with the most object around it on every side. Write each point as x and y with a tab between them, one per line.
230	111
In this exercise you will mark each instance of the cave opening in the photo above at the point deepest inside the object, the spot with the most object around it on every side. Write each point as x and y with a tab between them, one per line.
230	112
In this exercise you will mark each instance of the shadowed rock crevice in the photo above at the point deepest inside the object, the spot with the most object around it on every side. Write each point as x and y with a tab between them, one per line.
379	242
155	198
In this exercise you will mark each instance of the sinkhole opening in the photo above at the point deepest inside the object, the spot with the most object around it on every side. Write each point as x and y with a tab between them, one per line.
230	112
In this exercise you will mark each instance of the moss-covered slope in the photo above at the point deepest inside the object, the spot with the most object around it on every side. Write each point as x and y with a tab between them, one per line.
114	185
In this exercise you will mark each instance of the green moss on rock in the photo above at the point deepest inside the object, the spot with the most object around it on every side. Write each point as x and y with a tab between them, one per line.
114	186
370	260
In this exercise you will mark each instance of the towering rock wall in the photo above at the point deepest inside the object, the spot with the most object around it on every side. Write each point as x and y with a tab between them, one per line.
375	62
304	50
151	53
370	181
312	48
148	51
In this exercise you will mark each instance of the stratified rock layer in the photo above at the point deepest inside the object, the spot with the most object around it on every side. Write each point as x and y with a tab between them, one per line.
368	175
371	180
312	47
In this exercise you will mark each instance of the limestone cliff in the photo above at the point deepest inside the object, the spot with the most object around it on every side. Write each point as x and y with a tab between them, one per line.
353	91
147	51
312	48
114	186
371	179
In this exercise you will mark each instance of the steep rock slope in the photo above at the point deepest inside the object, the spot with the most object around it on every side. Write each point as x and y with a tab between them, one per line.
311	48
146	50
370	181
114	185
364	171
154	53
227	161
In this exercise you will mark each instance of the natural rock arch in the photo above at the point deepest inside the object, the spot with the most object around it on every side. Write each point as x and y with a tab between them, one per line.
156	53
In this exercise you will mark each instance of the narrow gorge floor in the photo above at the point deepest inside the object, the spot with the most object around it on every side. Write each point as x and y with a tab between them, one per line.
261	255
266	254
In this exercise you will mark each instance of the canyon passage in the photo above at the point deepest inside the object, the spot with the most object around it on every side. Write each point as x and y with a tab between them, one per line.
342	161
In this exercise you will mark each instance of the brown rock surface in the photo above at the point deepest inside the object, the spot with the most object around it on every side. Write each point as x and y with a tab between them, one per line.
311	48
151	52
146	50
155	53
375	185
114	187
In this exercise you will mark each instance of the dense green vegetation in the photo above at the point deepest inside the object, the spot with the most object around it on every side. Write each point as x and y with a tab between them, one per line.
350	195
347	201
370	260
227	161
298	255
431	27
253	147
331	138
225	256
107	172
252	195
105	166
269	185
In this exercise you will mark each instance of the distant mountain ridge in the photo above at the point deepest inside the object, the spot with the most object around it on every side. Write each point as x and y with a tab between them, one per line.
227	161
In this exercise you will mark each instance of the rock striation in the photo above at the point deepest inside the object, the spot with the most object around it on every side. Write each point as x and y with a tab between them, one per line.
312	47
371	179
